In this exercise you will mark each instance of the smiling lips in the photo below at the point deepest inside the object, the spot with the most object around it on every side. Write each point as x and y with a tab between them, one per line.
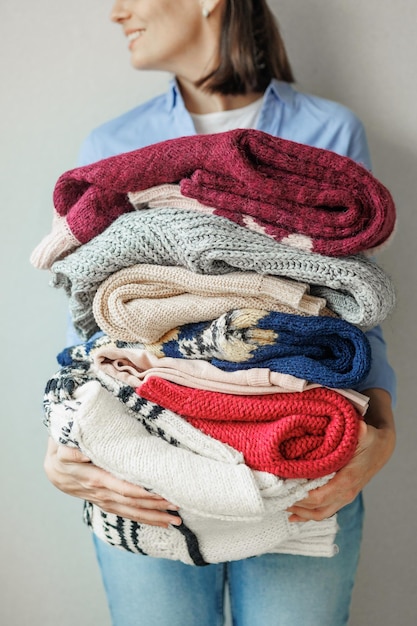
132	36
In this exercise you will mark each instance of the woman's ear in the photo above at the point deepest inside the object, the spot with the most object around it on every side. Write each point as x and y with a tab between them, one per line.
208	6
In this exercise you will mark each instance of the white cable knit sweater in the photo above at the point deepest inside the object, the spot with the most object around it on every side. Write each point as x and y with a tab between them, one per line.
229	511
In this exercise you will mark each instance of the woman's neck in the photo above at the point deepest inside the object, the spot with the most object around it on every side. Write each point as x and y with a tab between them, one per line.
198	101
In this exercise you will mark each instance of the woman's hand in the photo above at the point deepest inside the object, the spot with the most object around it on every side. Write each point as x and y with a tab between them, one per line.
74	474
375	446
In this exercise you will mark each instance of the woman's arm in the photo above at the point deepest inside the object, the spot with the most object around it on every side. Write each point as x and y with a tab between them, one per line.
377	433
74	474
375	447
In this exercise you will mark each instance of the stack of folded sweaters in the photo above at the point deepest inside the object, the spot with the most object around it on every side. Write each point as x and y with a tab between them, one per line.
229	280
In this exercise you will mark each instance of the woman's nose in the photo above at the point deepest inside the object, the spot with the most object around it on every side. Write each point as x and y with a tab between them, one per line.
120	11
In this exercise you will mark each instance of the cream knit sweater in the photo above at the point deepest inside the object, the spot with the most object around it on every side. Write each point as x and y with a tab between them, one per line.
143	302
355	288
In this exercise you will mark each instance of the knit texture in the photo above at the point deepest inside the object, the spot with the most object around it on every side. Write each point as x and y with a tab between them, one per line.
141	303
199	541
229	511
56	245
293	435
134	366
156	420
355	288
322	350
170	195
336	205
106	431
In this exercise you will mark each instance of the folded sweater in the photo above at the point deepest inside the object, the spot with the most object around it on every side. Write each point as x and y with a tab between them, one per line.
289	189
141	303
229	511
322	350
201	541
170	195
354	287
308	434
134	366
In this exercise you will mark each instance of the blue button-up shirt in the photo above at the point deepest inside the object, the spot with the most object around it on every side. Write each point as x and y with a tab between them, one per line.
285	113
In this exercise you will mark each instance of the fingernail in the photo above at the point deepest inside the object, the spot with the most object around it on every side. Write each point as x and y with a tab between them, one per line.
173	507
177	521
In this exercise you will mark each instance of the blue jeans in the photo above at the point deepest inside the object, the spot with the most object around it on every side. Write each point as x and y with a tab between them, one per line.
269	590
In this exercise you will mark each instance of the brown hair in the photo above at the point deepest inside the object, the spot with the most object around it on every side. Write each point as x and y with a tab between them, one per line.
252	50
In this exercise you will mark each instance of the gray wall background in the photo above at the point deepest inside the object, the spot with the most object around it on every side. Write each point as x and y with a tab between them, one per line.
65	69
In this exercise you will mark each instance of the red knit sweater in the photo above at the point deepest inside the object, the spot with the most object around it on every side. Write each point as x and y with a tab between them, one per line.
304	434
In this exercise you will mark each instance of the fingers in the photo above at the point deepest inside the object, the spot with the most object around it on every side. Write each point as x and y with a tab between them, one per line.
325	501
99	478
104	485
74	474
65	454
142	511
343	488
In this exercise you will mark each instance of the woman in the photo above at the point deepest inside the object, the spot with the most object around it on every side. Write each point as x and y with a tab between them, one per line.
231	70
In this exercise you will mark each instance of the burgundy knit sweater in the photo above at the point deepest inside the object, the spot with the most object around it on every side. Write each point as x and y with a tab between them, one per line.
291	190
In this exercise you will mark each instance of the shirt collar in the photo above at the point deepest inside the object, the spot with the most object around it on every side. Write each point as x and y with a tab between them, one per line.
276	89
173	94
280	90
